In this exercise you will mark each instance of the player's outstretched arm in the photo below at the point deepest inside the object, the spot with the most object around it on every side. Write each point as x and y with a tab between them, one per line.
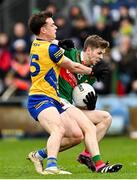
75	67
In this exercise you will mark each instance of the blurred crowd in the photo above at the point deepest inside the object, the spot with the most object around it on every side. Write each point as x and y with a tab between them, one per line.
114	21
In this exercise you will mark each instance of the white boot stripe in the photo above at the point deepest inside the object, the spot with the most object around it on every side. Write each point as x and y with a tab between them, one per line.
106	169
110	167
103	170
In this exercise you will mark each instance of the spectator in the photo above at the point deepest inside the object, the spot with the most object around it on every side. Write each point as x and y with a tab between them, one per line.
18	76
5	59
134	76
74	13
52	8
125	58
126	28
81	29
103	30
106	14
124	14
19	32
63	27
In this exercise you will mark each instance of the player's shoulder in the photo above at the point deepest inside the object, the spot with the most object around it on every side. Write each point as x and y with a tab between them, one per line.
54	48
55	52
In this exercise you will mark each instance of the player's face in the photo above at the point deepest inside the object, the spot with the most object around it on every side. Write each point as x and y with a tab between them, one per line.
96	55
50	29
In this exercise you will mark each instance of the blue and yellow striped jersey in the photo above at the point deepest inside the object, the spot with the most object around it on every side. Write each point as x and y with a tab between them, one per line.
44	69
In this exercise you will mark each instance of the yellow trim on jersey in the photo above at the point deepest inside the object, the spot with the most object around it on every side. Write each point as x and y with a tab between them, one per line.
61	60
58	53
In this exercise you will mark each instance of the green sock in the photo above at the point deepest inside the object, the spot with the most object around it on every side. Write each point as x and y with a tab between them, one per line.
96	158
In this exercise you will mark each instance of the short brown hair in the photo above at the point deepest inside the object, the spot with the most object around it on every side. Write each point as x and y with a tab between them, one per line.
95	41
36	21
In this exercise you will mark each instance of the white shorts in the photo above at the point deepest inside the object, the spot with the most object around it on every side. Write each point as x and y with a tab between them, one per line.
66	104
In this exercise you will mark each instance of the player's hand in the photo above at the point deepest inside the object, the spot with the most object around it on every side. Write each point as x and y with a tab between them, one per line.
66	44
100	70
90	101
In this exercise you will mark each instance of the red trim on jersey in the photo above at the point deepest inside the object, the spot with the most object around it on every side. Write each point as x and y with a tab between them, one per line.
68	76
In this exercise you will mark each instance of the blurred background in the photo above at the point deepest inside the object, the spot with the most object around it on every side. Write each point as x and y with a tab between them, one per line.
114	20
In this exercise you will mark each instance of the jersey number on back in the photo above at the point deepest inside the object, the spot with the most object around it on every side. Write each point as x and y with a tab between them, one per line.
50	77
35	68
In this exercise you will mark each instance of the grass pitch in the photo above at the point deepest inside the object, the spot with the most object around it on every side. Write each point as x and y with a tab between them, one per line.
13	164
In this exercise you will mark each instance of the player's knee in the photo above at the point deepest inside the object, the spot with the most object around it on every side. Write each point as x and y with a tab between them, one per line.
107	119
78	134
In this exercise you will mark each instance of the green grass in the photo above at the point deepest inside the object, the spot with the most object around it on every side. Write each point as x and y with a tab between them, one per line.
115	149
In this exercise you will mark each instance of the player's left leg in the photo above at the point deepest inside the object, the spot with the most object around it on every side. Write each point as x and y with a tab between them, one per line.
102	120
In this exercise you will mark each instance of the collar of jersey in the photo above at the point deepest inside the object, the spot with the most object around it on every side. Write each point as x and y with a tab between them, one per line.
40	39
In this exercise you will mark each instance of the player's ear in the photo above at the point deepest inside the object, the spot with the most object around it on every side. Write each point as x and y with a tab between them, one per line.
43	29
88	50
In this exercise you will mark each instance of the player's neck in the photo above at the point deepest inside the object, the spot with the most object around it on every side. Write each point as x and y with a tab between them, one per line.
41	37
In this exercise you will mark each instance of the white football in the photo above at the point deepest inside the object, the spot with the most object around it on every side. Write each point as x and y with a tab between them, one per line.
79	93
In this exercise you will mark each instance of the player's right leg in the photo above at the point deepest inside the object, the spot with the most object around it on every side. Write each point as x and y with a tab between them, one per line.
46	112
73	134
50	120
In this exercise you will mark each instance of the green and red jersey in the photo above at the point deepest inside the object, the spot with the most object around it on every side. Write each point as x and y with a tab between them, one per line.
68	80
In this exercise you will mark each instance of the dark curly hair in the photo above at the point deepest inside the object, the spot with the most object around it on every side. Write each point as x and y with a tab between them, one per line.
36	21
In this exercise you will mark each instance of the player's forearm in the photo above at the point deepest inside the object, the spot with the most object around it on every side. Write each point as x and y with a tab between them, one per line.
75	67
81	69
